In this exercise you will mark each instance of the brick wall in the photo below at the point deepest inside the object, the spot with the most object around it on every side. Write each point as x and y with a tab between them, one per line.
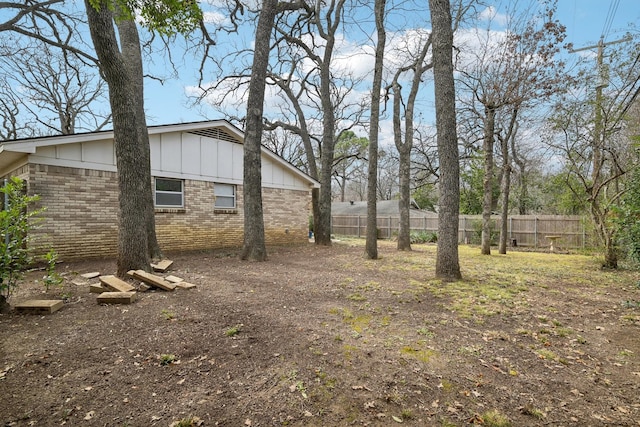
82	204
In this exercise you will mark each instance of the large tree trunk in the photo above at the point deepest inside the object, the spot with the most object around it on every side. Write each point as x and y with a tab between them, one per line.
254	241
487	200
123	74
372	212
130	42
323	224
447	261
404	203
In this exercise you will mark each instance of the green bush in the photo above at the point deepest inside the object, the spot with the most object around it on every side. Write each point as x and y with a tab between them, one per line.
15	222
626	218
423	237
476	237
52	278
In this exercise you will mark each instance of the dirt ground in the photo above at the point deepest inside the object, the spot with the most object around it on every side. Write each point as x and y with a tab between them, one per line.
323	337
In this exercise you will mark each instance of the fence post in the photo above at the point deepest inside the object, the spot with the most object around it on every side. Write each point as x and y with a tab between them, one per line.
389	229
464	230
511	228
535	231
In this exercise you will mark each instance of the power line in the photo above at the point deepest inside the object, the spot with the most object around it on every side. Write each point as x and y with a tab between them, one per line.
611	14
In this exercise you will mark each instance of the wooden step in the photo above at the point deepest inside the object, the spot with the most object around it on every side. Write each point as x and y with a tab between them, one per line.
90	275
97	289
162	266
116	298
39	306
173	279
115	284
153	280
185	285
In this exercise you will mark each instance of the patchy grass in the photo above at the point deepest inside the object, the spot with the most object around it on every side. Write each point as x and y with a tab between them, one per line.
333	339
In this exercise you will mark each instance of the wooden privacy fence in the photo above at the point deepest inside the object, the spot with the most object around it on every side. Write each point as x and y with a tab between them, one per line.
569	232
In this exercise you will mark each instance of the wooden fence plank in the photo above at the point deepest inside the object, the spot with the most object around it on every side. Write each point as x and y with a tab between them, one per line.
524	230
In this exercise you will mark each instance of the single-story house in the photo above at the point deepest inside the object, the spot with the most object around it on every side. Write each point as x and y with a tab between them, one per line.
197	173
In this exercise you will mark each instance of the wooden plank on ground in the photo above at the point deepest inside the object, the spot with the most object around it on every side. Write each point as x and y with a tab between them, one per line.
39	306
173	279
97	289
90	275
153	280
116	298
162	266
185	285
115	284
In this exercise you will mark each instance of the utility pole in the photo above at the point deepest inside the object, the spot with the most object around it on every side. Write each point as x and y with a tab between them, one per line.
598	133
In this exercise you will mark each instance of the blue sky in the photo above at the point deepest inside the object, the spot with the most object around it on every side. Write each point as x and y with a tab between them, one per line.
586	20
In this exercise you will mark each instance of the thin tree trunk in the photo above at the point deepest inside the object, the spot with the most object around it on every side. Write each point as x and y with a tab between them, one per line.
505	182
447	260
404	169
487	201
372	215
254	240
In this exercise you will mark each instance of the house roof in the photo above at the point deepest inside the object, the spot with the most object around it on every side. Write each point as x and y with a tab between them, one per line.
383	208
12	151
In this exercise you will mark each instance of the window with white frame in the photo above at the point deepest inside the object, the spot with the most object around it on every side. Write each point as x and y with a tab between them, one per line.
225	196
169	193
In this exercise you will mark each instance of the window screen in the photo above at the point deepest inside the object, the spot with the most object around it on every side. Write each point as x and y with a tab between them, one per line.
225	196
169	193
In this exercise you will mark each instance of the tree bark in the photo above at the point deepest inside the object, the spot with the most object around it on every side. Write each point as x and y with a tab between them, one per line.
254	240
447	261
122	71
505	181
374	123
487	200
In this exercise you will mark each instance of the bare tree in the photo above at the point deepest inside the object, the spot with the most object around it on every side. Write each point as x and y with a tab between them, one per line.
589	131
447	261
404	145
350	156
121	66
510	69
57	93
254	241
374	122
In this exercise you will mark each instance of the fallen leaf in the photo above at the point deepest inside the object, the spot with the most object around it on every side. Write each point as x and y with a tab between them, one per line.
370	405
181	381
396	419
247	422
89	415
308	414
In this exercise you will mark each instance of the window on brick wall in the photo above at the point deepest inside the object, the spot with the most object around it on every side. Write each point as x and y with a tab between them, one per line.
169	193
225	196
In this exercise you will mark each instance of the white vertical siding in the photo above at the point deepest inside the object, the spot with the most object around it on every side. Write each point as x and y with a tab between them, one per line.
171	152
176	155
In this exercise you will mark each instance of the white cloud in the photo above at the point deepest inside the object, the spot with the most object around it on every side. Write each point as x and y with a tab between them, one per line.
491	14
215	18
